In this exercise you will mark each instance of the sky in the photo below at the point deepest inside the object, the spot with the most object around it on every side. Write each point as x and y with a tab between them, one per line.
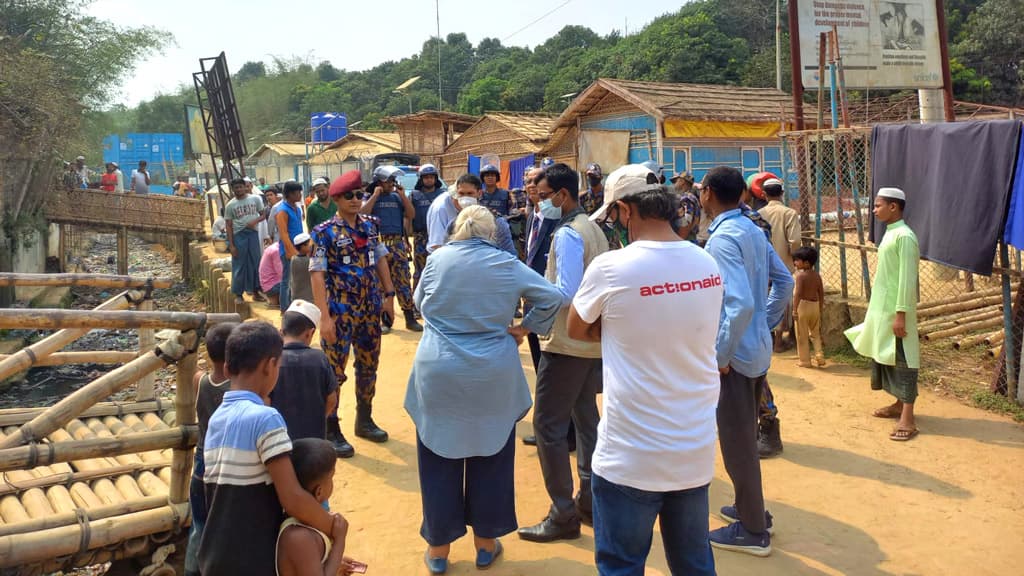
352	35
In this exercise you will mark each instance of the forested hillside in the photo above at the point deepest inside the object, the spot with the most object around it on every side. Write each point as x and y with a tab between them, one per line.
706	41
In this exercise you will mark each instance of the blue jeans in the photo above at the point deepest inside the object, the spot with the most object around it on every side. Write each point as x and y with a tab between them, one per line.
286	272
624	525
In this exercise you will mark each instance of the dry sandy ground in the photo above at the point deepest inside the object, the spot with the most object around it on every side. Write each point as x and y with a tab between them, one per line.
846	500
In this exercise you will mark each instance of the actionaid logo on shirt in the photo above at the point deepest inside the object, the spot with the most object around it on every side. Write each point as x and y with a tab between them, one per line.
676	287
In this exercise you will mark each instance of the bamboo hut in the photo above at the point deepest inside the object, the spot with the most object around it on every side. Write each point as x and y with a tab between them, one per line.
427	133
510	135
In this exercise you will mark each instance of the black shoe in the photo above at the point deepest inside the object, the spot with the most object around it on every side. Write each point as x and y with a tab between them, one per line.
410	322
386	322
550	531
530	440
341	446
769	438
366	427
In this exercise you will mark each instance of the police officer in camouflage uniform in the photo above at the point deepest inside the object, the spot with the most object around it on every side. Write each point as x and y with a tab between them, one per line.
390	204
427	190
351	281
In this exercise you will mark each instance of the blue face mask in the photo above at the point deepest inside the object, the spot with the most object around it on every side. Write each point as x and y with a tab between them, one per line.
549	210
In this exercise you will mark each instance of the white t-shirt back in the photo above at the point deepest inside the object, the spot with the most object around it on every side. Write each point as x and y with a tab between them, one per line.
659	305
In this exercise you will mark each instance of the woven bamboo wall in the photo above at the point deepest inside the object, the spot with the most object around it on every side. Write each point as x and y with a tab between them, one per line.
148	212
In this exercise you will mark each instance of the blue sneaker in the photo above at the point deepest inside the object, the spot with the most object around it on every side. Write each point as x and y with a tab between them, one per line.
730	515
485	559
435	565
736	538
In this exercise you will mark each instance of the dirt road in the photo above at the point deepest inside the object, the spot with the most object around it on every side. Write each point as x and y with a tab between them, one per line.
846	500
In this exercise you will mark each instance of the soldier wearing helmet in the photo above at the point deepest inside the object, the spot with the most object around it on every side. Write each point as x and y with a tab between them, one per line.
390	204
428	188
593	198
498	200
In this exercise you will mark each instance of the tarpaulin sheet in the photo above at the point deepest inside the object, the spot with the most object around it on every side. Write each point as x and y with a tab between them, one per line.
516	169
957	180
1014	234
675	128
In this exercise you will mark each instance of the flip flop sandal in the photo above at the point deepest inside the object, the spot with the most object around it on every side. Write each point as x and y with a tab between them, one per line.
902	434
887	412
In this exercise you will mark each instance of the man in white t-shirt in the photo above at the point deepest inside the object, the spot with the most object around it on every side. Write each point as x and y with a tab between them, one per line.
654	306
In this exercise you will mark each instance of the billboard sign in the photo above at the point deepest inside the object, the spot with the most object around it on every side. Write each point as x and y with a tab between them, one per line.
196	131
884	44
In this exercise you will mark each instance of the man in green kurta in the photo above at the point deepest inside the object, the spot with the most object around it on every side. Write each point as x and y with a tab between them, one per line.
889	333
322	208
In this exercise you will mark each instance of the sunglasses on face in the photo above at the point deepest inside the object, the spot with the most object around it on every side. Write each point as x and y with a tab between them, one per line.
357	194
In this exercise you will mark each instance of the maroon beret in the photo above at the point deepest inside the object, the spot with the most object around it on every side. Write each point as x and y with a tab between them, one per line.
347	182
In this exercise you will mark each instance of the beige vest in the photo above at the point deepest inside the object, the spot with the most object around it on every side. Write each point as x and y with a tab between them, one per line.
594	243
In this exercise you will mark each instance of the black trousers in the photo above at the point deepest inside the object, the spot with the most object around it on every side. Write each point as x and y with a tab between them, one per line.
534	343
737	435
477	492
567	388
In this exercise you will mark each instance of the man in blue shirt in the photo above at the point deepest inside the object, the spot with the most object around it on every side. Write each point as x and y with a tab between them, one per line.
288	221
446	207
744	349
569	374
390	204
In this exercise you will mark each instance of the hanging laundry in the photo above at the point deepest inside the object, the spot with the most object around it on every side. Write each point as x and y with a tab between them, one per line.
1014	234
957	180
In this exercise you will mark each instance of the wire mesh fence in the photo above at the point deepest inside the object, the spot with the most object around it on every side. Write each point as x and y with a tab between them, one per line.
965	319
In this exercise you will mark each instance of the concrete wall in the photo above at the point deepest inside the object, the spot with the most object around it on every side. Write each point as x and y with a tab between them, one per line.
30	257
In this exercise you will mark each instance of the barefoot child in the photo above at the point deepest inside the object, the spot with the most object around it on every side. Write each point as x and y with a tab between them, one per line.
303	550
249	476
210	389
808	305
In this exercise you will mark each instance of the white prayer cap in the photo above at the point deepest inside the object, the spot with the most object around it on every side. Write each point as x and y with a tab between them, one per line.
892	193
307	309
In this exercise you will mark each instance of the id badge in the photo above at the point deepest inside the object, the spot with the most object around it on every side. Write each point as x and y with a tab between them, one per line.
346	260
373	258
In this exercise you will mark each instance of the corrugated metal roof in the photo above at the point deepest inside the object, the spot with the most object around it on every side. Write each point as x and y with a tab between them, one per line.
535	127
687	101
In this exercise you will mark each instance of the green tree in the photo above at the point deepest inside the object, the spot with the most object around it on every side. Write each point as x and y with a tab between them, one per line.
250	70
991	45
56	63
483	95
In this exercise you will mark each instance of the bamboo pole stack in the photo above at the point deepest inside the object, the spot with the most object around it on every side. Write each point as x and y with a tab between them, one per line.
58	319
92	280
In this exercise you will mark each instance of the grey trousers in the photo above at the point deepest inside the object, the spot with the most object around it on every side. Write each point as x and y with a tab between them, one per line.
737	434
567	389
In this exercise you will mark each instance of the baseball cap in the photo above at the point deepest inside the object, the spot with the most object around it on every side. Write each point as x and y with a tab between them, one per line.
307	309
301	239
321	182
594	169
347	182
247	180
629	179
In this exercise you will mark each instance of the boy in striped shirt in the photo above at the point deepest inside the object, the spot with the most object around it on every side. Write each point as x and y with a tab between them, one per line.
249	476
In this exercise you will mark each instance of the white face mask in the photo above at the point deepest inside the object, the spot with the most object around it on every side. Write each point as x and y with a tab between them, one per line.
466	201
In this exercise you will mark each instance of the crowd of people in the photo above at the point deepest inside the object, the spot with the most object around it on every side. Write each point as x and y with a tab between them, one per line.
619	289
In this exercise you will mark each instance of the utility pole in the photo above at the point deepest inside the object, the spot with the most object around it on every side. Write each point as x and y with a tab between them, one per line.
440	99
778	44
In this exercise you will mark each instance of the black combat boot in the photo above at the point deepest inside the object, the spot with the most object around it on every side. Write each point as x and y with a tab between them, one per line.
410	321
769	438
341	446
366	427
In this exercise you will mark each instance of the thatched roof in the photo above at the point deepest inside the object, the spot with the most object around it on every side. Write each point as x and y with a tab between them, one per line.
388	139
281	148
465	120
535	127
686	101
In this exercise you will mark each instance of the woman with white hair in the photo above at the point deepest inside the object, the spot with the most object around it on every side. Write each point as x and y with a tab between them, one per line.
467	389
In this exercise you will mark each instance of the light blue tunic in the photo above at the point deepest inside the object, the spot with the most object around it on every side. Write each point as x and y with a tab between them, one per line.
467	388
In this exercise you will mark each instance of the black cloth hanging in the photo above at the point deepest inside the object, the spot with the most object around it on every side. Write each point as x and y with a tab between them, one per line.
957	178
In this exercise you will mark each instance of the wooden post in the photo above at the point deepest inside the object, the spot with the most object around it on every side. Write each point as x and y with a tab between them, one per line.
92	357
21	549
25	358
93	280
78	450
794	56
55	319
122	250
186	257
67	409
185	406
145	390
62	246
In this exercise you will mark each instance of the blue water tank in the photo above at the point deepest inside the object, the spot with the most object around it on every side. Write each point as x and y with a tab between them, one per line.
164	152
328	126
